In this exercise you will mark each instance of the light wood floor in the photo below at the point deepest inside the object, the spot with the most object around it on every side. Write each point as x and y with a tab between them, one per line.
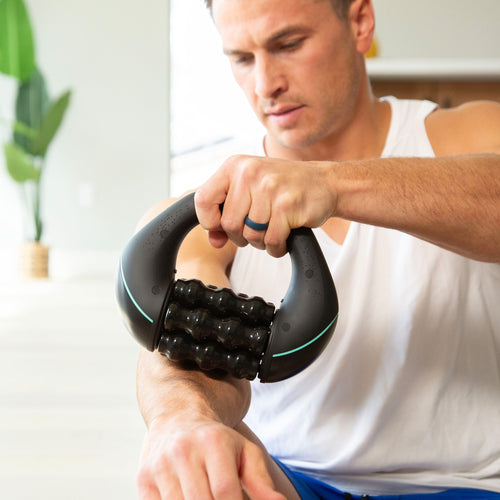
69	424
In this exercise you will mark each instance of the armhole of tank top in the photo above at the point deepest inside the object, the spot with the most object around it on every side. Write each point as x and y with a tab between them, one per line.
394	125
427	107
402	111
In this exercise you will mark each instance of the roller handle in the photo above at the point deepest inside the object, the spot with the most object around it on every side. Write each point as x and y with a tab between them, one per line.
147	270
301	327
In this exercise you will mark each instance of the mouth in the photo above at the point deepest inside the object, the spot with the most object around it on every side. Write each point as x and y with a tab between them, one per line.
284	115
281	110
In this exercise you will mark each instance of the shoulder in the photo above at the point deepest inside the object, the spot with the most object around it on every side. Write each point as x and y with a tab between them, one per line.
471	128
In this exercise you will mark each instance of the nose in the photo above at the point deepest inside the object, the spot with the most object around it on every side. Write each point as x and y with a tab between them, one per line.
270	80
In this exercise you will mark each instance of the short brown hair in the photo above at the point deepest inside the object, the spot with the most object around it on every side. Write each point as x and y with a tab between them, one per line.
341	7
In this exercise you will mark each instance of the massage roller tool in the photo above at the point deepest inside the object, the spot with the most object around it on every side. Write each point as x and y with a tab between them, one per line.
214	327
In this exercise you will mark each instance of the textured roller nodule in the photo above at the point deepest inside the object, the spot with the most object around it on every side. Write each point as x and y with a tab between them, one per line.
209	355
223	302
231	333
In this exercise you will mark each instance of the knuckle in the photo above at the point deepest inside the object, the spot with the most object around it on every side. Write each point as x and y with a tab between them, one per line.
180	450
276	251
286	202
203	206
228	165
143	478
145	483
275	244
230	224
272	240
236	164
223	487
269	184
258	244
253	236
250	168
201	198
210	436
160	467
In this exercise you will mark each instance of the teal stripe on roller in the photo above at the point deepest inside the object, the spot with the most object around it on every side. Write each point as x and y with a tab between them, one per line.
307	343
131	297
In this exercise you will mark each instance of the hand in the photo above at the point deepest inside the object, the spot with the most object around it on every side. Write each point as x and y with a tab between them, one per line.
286	194
198	459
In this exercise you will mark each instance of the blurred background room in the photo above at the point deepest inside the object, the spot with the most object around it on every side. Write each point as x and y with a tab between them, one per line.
151	111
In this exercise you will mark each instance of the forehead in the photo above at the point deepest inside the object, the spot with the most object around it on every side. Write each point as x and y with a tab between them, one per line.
245	21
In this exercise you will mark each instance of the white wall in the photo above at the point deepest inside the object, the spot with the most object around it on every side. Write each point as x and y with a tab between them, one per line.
109	161
438	28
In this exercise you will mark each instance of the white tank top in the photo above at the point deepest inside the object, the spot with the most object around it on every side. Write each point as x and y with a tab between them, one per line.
407	394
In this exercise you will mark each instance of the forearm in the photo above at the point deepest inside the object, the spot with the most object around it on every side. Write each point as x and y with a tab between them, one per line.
453	202
167	390
196	446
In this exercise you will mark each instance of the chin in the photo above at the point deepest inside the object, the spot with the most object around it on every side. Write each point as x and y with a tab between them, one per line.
292	139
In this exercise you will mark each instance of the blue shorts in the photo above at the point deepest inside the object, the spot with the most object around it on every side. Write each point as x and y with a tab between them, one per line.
309	488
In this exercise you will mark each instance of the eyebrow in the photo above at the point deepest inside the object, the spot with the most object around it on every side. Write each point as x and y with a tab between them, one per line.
289	30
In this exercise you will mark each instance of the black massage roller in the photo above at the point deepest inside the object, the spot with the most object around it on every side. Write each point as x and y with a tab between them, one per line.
214	327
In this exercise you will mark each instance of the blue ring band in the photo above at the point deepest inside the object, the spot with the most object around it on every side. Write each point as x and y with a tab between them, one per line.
256	225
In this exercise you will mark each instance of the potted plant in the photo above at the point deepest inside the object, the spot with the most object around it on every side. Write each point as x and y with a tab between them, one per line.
37	119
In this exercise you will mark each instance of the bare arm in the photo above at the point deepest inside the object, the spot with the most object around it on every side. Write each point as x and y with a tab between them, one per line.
192	449
452	201
158	379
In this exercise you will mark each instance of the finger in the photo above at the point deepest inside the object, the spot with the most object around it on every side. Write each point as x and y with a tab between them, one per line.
217	238
255	477
224	479
171	490
189	468
147	490
276	235
236	207
195	484
159	486
208	198
209	215
257	222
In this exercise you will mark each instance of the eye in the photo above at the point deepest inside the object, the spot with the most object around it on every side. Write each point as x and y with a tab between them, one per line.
241	59
291	45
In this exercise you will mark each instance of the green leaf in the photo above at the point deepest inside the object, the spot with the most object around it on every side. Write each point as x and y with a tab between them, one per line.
19	164
50	124
17	51
22	129
32	103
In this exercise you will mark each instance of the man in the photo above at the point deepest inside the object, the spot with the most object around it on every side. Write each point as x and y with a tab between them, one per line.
405	399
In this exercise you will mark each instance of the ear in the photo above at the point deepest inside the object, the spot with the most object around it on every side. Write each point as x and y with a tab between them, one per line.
362	22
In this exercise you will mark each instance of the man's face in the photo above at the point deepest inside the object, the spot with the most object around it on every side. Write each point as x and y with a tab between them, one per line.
296	63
